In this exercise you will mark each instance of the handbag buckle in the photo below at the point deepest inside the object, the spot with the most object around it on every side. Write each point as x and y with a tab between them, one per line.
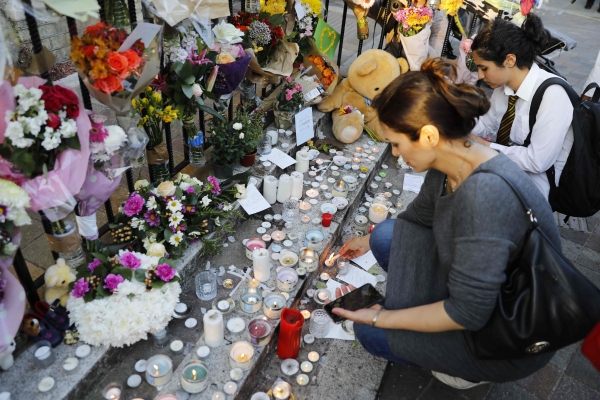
537	347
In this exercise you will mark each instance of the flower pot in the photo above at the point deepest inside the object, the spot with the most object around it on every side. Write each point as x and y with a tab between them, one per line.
248	159
223	171
283	119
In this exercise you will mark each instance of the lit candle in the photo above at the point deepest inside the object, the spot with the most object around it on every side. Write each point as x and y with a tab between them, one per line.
270	189
313	356
305	314
273	305
287	279
321	296
251	300
359	149
241	355
266	237
342	264
378	212
297	183
305	207
218	396
312	193
230	388
302	161
260	396
289	259
261	265
214	329
308	259
194	377
113	391
159	370
306	366
236	374
278	236
282	391
324	276
302	380
253	244
259	331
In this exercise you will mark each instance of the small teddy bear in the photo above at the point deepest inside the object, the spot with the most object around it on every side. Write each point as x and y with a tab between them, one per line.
58	277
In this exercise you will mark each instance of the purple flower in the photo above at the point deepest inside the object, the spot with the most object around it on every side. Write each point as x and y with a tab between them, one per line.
190	190
181	227
189	209
220	207
165	272
198	59
213	181
152	218
92	266
80	288
130	261
133	205
112	281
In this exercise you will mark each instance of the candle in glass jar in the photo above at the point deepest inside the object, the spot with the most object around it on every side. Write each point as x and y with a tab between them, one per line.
261	265
159	370
253	244
343	264
314	238
230	388
270	189
282	391
113	391
241	355
214	328
302	161
308	259
259	331
194	377
284	190
326	219
273	305
286	279
251	300
378	213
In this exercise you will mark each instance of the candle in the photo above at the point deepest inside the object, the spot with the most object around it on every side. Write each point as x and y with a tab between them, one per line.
312	193
159	370
181	308
228	283
322	295
218	396
308	338
302	379
253	244
306	366
312	174
358	149
203	351
313	356
241	355
343	264
261	265
251	300
287	279
273	135
194	377
324	276
290	330
314	238
230	388
134	381
236	374
326	219
378	212
297	183
214	329
284	191
140	366
361	220
70	364
236	325
302	161
351	181
270	189
83	351
278	236
223	305
289	259
273	305
42	352
260	396
46	384
356	160
177	346
305	207
266	237
282	391
259	331
301	272
305	314
308	259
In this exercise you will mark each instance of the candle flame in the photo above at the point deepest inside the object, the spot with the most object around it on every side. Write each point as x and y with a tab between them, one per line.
156	368
194	373
242	357
274	304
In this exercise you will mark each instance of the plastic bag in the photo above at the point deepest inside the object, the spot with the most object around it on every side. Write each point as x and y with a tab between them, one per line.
416	47
136	146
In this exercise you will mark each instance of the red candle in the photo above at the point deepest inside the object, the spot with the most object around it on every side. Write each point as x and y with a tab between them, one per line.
327	218
371	228
290	331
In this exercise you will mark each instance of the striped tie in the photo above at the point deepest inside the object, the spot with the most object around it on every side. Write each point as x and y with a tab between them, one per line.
503	136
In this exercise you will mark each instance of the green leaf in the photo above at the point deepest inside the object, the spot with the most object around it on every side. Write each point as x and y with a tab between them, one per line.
89	296
100	257
177	67
140	275
158	284
190	80
167	234
101	292
101	271
212	112
178	192
187	90
186	70
125	272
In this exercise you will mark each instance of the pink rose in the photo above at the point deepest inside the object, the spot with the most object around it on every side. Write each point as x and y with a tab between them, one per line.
466	45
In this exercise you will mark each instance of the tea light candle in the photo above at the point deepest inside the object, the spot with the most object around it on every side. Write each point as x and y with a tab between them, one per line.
322	295
46	384
378	213
177	346
375	150
315	184
308	259
134	381
241	355
83	351
268	217
356	160
230	388
259	331
293	236
302	379
324	187
288	259
218	396
319	179
236	374
278	236
312	174
313	356
305	207
324	276
282	391
358	149
159	370
301	272
306	366
319	161
70	364
228	283
288	243
266	237
286	279
140	366
308	338
361	220
273	305
260	396
251	300
214	328
312	193
254	244
362	176
305	314
194	378
305	219
260	230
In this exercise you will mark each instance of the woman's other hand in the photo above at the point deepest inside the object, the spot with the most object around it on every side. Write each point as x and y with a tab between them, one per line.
355	247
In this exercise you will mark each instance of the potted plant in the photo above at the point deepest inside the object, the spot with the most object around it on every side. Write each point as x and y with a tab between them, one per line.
289	101
253	127
233	140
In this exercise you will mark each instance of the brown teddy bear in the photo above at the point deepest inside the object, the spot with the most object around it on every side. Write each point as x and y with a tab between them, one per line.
368	75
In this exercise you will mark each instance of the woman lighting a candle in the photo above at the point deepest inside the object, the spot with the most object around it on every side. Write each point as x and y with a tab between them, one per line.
445	255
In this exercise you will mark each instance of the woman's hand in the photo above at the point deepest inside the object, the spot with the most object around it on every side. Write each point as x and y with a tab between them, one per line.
355	247
362	316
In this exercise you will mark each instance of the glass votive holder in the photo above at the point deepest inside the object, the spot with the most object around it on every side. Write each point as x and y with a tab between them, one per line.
319	323
288	259
259	332
282	391
206	285
194	378
340	189
314	239
322	295
112	391
287	278
160	338
159	370
251	300
42	354
308	259
343	265
241	355
273	304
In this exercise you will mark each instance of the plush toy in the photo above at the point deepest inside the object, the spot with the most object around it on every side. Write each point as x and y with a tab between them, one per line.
57	279
6	356
368	75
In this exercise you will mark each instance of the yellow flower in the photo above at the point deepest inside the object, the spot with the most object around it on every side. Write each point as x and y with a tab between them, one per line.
256	48
150	110
149	89
133	103
157	96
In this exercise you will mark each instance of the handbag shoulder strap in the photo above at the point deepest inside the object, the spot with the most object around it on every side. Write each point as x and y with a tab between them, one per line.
517	192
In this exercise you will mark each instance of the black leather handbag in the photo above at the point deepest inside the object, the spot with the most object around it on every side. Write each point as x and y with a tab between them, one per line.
544	304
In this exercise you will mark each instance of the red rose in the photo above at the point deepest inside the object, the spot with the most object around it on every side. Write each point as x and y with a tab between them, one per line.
109	85
89	51
53	121
96	29
58	98
51	102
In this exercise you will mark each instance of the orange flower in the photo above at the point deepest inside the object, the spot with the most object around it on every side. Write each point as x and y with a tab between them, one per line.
109	85
118	63
100	49
99	69
78	58
133	60
326	72
96	29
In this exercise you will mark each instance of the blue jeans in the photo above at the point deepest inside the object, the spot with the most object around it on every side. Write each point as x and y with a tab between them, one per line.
373	339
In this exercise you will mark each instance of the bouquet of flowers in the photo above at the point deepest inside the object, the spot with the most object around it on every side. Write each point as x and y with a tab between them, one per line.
466	69
116	301
347	109
414	30
105	142
232	140
326	70
13	202
178	213
306	23
290	98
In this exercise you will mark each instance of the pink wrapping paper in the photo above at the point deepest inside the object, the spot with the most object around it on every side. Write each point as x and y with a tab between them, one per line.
96	189
12	307
70	166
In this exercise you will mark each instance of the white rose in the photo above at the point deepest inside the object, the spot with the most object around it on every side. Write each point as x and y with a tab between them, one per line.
241	191
156	250
196	90
227	33
237	126
242	135
142	183
166	189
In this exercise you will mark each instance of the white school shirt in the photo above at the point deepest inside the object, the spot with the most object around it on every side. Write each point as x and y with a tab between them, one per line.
552	136
594	76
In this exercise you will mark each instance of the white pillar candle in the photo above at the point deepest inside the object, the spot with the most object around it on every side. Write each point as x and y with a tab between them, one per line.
273	135
302	161
378	213
297	182
284	190
270	189
261	265
213	328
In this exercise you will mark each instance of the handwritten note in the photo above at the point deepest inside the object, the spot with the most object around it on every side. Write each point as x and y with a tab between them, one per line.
332	285
300	13
413	183
357	277
254	201
281	159
366	261
304	126
144	32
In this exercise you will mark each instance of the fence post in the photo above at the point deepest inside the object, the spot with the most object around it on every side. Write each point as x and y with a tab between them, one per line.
342	31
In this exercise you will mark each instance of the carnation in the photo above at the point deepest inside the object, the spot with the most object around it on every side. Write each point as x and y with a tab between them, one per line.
133	205
165	272
80	288
130	261
112	282
95	263
215	183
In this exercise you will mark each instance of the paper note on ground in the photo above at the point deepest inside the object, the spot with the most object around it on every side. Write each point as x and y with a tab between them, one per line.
254	201
366	261
413	183
357	277
332	285
280	159
304	126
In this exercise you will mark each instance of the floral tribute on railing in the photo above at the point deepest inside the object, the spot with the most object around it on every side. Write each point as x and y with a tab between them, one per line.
117	301
180	212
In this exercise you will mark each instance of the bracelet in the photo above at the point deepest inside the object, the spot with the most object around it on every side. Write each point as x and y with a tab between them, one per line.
376	316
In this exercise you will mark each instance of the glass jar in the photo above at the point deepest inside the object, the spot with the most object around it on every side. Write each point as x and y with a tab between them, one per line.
283	119
195	139
264	145
67	241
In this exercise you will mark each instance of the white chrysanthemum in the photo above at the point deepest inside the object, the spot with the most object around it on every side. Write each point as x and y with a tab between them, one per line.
115	139
22	143
174	205
151	203
30	125
136	222
51	139
176	239
14	130
206	201
68	128
175	219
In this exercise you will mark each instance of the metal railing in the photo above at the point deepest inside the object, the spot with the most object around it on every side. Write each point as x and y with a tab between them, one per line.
31	287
